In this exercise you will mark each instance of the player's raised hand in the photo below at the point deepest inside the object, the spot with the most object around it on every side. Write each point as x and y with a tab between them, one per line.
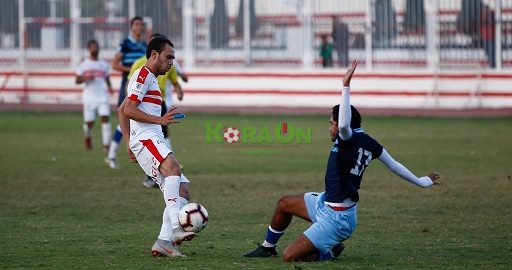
168	117
434	177
348	75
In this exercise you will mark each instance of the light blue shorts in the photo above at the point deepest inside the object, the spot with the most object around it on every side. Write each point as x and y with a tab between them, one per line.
329	227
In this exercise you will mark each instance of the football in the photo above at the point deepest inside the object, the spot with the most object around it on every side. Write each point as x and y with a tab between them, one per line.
193	217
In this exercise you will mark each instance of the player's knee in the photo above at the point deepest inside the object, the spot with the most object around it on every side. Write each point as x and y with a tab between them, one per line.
170	167
285	203
289	256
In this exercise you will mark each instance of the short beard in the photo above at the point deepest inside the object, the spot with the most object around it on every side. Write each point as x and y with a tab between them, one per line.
95	54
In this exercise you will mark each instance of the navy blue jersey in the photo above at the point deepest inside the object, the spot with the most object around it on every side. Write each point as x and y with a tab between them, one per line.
131	50
346	165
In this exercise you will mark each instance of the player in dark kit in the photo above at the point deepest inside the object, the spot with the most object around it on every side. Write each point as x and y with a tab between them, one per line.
334	211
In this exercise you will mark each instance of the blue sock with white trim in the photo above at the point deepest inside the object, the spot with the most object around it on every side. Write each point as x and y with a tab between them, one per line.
272	237
118	135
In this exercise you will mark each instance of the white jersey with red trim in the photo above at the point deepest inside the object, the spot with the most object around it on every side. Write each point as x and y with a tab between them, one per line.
143	88
94	90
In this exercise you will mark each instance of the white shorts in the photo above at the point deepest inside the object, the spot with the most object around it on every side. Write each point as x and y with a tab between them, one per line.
90	109
150	153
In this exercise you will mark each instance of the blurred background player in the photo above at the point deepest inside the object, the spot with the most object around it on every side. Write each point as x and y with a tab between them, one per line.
334	211
131	48
341	38
93	73
167	83
326	51
147	145
170	87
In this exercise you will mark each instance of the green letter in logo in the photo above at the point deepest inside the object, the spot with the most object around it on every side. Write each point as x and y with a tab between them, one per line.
307	136
249	135
213	134
282	137
264	136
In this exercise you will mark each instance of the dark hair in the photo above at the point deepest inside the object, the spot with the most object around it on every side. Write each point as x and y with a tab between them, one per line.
155	35
157	44
92	41
355	122
136	18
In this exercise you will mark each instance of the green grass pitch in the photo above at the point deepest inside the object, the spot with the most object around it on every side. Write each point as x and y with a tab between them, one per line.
62	208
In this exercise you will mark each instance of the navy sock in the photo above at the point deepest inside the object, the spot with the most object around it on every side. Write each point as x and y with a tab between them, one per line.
118	135
272	237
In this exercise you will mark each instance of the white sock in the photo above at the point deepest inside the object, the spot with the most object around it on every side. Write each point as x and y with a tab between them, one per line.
267	244
87	131
166	230
106	133
112	150
171	197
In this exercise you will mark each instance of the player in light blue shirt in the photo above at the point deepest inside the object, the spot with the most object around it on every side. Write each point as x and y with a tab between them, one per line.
333	213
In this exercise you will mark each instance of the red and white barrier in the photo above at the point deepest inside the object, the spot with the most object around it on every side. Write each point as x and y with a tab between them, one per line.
291	88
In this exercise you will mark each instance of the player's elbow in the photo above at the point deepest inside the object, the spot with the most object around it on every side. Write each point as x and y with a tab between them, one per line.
120	110
126	111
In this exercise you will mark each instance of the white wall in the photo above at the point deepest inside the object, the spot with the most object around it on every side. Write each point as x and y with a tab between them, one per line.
289	88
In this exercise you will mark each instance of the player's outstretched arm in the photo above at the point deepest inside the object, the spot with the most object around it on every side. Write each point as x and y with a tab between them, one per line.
109	85
400	170
132	112
80	79
124	123
179	91
348	75
116	63
345	114
168	117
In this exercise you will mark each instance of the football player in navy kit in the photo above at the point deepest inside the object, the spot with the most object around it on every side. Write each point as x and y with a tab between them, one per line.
334	211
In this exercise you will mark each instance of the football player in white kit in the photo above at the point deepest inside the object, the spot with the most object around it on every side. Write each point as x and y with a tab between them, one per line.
94	74
147	145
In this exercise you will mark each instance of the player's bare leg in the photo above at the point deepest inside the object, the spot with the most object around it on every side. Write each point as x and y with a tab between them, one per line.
88	135
287	207
300	250
106	133
170	169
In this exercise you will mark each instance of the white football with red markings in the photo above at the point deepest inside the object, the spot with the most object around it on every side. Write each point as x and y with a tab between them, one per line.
193	217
